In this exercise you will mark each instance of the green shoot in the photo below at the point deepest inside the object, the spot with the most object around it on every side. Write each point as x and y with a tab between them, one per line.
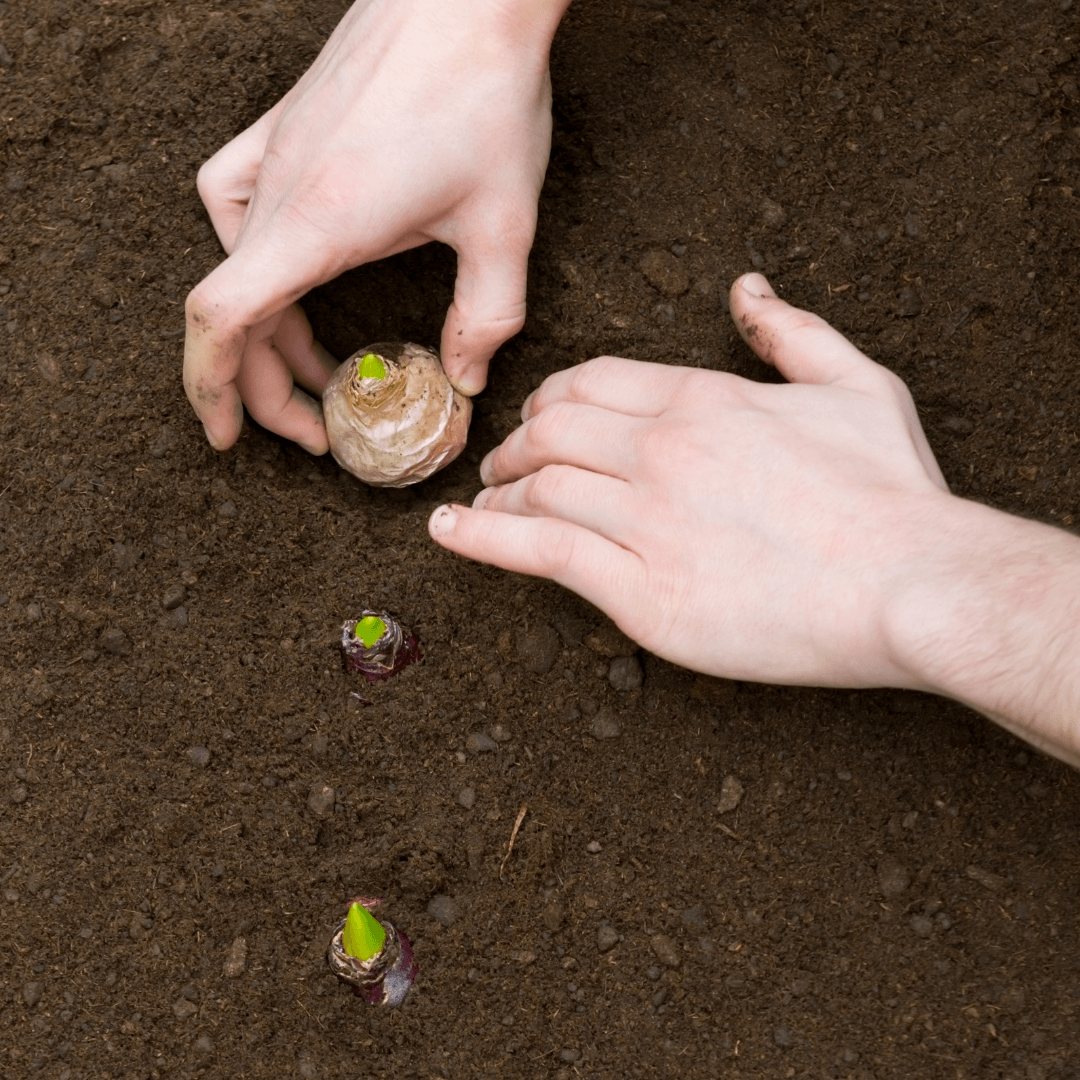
364	935
371	367
369	629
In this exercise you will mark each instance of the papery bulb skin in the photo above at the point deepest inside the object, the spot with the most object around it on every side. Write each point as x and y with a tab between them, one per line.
383	979
397	427
377	646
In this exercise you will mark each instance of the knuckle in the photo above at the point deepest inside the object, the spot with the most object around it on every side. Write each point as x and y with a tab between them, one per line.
548	429
593	373
208	178
196	304
542	488
559	552
882	381
655	443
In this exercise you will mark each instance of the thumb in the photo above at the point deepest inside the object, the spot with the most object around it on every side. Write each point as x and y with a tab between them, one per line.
488	308
800	345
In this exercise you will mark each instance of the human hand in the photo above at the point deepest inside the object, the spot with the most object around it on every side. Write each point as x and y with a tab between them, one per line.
748	530
419	120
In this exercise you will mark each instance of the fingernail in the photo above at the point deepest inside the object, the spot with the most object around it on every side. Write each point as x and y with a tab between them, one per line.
209	437
471	381
757	285
526	405
443	521
485	466
481	499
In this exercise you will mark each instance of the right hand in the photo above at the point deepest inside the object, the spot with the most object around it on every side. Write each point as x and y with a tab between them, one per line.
742	529
419	120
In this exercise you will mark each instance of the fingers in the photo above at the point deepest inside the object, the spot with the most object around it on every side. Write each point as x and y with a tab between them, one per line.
801	346
211	363
266	386
603	573
564	434
805	349
631	387
310	364
227	181
252	284
489	303
599	503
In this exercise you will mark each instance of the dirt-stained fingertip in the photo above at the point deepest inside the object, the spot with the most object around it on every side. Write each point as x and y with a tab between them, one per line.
443	520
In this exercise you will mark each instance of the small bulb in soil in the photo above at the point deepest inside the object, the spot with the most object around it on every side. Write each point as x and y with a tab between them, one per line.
377	646
392	416
371	955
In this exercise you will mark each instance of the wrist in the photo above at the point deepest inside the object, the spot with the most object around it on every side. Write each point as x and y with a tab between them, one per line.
988	613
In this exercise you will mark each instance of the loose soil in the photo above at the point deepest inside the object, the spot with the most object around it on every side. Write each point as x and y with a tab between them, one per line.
896	893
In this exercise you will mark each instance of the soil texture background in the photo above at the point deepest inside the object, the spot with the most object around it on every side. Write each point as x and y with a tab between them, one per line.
711	879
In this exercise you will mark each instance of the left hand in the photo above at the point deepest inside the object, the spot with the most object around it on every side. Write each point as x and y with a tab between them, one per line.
420	120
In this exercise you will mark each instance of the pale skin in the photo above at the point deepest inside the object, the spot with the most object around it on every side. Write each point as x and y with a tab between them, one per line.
420	120
797	533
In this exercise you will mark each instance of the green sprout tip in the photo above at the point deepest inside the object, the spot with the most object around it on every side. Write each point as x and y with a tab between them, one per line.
369	629
371	367
364	935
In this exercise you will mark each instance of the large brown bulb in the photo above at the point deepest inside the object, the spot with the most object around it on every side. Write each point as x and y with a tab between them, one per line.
399	429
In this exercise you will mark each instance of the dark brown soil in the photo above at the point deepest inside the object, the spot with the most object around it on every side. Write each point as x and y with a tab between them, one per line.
896	894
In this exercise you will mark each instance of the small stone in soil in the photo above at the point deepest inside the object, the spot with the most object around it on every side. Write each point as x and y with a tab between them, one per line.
604	726
594	847
654	973
114	640
199	756
177	619
987	879
184	1009
538	649
19	794
625	673
479	743
32	992
731	794
467	797
893	876
321	799
174	597
607	937
693	918
204	1045
553	916
664	272
665	950
569	1055
922	926
443	909
236	961
500	734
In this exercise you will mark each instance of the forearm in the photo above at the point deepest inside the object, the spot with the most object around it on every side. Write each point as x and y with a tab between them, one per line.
991	617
